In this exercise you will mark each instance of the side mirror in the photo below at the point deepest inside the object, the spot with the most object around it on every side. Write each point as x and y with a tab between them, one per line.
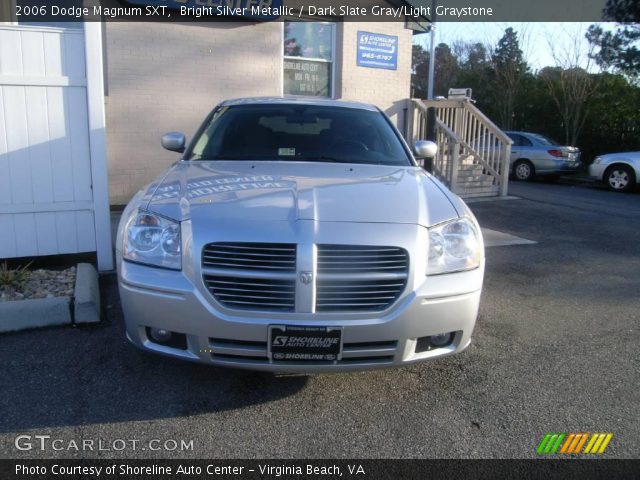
174	141
425	149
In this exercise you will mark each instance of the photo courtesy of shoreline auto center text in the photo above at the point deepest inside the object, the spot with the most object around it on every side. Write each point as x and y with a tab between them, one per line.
324	239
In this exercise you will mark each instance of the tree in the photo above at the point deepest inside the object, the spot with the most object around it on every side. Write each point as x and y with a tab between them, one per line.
570	89
622	11
618	49
613	123
509	68
419	72
446	71
569	83
476	72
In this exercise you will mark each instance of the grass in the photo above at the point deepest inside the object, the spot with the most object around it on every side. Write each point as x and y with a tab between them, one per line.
14	277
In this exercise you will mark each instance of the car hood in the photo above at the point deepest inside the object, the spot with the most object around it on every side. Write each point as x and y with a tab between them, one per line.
288	191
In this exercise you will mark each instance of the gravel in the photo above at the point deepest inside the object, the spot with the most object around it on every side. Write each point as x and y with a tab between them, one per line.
42	284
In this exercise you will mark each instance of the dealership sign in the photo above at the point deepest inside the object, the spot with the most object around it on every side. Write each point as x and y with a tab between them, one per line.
257	9
376	50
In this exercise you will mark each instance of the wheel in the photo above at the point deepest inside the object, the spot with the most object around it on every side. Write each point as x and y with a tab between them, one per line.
524	170
619	178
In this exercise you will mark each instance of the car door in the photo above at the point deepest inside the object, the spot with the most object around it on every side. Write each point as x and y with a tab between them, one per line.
522	147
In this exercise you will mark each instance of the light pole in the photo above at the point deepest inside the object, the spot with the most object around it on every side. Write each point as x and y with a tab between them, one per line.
432	55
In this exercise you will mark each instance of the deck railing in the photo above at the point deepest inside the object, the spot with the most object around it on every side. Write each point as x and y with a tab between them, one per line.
465	137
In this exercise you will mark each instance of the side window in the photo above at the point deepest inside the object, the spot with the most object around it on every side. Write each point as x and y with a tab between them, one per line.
516	139
525	142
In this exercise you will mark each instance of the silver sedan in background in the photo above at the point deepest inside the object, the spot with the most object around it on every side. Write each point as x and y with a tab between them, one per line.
534	154
299	235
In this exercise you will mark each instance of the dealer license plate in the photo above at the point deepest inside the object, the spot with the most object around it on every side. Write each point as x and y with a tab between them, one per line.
289	343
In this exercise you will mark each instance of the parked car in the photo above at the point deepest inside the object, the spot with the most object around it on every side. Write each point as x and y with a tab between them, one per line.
299	235
533	154
619	171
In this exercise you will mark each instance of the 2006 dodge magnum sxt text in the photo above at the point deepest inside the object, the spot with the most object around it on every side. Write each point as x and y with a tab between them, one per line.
299	235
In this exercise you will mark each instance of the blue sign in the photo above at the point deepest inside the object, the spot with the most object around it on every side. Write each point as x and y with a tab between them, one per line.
263	10
376	50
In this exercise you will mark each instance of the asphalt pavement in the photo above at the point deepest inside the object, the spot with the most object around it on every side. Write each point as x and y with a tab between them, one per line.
555	350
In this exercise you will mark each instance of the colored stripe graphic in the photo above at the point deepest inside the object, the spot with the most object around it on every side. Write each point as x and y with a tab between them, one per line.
592	441
581	443
607	439
543	443
568	442
555	447
572	443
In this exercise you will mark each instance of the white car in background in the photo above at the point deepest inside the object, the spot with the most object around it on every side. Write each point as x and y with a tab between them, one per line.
619	171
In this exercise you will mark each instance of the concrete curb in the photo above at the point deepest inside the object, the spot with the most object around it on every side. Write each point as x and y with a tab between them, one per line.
490	199
41	312
87	295
581	180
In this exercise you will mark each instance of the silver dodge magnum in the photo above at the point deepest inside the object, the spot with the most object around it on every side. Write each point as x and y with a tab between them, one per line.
299	235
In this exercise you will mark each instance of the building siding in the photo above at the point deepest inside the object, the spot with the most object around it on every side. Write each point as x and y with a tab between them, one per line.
168	77
388	89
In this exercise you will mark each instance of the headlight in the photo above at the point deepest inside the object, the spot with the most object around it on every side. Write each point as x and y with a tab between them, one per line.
453	247
597	161
152	240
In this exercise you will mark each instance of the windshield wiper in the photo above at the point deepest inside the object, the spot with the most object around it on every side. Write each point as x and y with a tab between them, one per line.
243	157
310	158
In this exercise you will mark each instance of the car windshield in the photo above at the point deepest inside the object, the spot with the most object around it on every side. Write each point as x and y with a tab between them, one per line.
298	133
544	140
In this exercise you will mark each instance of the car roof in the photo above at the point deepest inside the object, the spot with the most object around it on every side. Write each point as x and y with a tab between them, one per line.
523	133
285	100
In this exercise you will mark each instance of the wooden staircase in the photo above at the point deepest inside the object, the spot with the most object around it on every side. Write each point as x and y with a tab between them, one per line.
472	182
473	153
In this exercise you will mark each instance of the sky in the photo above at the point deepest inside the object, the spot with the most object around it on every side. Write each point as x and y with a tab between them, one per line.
543	43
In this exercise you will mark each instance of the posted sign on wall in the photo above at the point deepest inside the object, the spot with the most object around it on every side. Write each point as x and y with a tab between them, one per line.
376	50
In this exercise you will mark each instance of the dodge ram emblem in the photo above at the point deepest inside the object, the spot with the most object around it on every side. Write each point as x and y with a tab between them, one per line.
306	277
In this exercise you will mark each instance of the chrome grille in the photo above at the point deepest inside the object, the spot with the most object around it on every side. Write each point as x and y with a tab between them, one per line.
360	278
356	259
252	293
262	276
250	256
345	295
251	276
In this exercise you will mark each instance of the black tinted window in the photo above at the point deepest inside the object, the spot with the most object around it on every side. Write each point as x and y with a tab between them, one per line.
299	133
519	140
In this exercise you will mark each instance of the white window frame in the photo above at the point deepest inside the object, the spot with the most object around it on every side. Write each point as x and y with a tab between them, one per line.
332	61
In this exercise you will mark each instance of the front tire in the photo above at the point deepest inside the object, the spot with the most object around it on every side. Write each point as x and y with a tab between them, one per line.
524	170
620	178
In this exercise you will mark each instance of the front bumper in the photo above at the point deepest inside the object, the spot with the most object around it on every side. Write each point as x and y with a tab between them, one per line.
156	298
